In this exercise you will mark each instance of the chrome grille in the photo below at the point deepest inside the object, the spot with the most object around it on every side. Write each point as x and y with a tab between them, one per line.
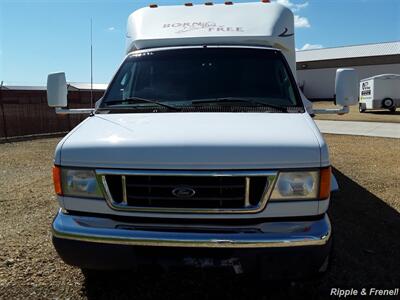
187	191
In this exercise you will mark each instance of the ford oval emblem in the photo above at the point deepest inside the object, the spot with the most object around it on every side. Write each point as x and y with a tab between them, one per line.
183	192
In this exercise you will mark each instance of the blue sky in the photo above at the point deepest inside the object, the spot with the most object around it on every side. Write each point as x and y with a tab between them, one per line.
42	36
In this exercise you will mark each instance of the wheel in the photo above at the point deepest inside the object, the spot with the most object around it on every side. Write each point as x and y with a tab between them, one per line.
393	109
361	108
387	103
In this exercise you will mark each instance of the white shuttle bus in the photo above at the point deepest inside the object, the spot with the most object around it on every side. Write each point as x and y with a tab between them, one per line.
201	149
380	92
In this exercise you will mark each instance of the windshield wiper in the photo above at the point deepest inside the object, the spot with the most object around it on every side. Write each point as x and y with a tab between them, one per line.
238	99
133	100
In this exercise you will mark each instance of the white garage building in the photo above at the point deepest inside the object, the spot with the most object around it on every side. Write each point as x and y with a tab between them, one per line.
316	69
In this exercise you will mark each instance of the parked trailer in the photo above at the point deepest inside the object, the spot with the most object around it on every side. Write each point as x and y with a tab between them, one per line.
381	91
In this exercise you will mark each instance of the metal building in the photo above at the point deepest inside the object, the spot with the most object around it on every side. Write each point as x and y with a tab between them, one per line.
316	69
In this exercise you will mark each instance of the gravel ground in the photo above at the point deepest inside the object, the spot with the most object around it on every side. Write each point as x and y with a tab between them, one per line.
365	216
354	115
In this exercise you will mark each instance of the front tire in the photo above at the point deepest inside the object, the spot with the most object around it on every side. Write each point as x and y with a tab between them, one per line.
361	108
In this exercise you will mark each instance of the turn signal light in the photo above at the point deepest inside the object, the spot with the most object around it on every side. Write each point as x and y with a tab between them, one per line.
153	5
57	180
325	183
265	1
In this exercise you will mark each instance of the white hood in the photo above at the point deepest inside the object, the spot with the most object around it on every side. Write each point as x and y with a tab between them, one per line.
194	141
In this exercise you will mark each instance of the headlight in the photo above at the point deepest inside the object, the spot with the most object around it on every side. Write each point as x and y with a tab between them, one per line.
297	185
80	183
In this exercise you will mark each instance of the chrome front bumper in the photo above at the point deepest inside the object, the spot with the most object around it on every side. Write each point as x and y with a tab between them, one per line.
270	234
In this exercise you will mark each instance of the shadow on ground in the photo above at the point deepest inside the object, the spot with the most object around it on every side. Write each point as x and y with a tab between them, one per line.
366	254
383	112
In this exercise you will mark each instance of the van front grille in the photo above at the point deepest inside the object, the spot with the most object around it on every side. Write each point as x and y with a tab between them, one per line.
182	191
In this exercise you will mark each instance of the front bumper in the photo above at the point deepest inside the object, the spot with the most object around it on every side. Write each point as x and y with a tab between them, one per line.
262	235
290	249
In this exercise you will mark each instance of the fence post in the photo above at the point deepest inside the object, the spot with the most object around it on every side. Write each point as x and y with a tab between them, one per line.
2	111
69	106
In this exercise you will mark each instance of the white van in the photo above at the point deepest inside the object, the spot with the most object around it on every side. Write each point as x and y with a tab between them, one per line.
200	148
380	91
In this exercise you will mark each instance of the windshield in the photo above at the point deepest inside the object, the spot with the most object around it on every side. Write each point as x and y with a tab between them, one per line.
204	76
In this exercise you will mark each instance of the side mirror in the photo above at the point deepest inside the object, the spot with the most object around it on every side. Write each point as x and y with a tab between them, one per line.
97	104
57	90
346	87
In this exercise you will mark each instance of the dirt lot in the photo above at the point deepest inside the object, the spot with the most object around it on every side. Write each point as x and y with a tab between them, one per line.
365	216
355	115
